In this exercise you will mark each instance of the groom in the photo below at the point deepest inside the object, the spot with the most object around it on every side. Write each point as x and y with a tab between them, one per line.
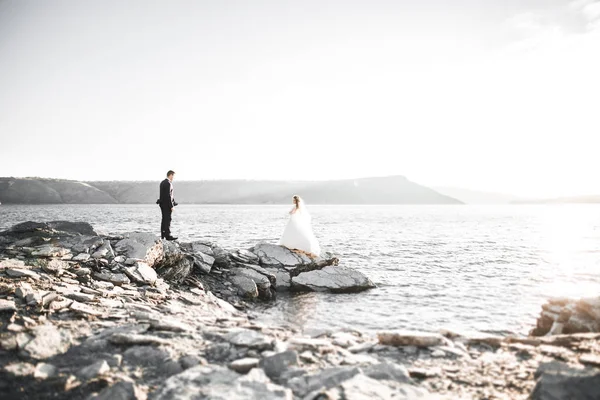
166	202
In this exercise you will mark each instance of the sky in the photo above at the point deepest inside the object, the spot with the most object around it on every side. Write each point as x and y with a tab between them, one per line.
489	95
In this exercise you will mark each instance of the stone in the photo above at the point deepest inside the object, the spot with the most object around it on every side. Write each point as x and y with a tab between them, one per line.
408	338
590	359
424	373
81	272
23	290
102	285
20	273
249	338
123	390
244	365
50	251
301	344
141	273
145	356
82	297
48	341
141	246
20	369
81	257
277	364
204	262
7	305
91	371
201	247
104	251
271	255
219	383
558	380
321	380
361	387
11	263
246	287
115	279
84	309
135	339
388	371
282	278
44	371
55	266
334	279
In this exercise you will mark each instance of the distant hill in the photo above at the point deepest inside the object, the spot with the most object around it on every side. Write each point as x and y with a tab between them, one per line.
386	190
592	199
477	197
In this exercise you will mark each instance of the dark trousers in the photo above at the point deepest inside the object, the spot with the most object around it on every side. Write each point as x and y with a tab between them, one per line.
165	225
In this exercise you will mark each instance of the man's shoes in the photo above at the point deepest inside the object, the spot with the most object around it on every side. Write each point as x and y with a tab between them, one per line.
171	238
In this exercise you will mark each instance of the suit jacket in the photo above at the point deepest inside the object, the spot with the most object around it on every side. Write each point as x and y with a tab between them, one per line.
166	198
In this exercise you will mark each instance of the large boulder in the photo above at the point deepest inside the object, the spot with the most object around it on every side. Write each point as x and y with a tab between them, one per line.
333	279
144	247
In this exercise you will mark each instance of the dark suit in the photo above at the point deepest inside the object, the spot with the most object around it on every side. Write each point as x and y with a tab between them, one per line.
166	203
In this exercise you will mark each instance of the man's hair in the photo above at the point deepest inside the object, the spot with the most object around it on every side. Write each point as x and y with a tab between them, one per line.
170	173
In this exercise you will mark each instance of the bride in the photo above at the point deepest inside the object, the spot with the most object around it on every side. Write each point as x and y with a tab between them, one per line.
298	234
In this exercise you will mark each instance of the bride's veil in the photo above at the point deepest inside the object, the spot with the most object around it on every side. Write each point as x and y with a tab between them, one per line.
302	208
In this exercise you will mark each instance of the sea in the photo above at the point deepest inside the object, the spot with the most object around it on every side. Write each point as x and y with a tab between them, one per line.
485	268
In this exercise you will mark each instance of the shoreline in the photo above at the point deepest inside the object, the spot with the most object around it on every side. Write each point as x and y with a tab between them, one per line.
88	316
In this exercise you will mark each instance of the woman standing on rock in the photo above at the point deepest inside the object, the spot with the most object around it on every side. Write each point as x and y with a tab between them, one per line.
298	234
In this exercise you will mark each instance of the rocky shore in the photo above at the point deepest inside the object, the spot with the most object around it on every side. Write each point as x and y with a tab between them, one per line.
84	316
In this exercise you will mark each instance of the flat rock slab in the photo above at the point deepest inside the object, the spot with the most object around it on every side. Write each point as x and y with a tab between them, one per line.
12	263
557	380
277	364
333	279
408	338
271	255
21	272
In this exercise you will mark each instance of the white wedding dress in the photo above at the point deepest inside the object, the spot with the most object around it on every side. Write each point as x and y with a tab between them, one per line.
298	233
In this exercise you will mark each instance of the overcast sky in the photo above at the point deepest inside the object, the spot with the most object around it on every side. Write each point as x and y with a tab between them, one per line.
498	95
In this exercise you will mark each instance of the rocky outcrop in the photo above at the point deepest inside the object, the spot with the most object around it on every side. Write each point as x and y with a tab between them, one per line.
565	316
108	328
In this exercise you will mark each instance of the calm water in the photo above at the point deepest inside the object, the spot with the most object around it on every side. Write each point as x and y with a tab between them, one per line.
486	268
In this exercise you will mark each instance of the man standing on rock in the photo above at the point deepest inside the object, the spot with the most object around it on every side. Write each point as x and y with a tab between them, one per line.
166	202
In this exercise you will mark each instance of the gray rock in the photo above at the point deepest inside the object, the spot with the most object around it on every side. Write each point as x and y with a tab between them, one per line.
322	380
271	255
141	246
557	381
201	247
11	263
23	290
104	251
388	371
48	341
277	364
20	273
204	262
135	339
145	356
244	365
219	383
332	278
44	371
115	279
91	371
50	251
55	266
20	369
121	391
246	287
410	338
141	273
7	305
282	278
176	271
249	338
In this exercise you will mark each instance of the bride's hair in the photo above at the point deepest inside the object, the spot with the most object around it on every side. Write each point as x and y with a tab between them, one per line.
296	201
